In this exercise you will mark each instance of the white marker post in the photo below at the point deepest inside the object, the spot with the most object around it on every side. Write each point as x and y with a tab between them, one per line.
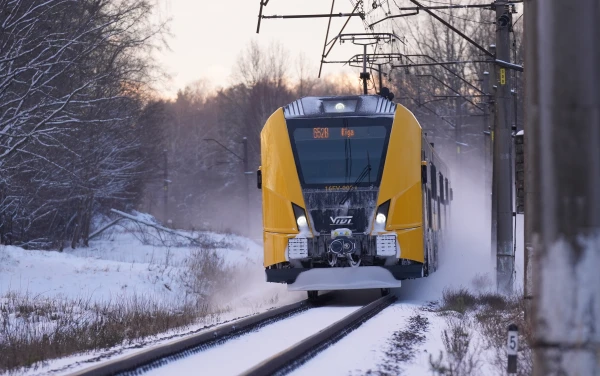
512	348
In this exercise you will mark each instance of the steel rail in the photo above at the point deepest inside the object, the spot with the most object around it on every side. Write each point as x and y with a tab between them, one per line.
296	355
162	354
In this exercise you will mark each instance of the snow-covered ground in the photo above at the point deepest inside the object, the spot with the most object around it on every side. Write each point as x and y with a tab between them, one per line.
241	354
119	265
364	349
110	268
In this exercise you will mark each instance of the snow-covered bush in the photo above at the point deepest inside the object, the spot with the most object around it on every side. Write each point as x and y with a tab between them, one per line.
476	333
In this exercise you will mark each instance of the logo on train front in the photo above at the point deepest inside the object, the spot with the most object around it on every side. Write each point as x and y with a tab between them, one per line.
341	220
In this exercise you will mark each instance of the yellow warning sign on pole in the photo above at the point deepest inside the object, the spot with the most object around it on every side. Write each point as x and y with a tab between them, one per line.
502	76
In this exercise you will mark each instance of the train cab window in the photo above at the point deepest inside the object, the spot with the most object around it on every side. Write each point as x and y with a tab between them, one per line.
339	151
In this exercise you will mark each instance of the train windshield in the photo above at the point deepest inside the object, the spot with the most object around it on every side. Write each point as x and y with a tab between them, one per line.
339	152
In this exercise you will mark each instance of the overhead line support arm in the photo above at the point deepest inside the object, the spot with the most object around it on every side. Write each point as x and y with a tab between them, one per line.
448	69
432	14
262	4
451	88
395	16
326	15
324	55
327	36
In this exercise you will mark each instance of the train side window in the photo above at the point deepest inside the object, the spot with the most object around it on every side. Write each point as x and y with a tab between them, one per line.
434	182
447	197
442	196
259	179
439	214
429	208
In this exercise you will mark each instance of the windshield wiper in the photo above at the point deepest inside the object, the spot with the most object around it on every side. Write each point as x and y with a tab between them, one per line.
364	173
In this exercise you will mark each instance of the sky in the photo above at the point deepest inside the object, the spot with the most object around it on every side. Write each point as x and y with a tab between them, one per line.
208	36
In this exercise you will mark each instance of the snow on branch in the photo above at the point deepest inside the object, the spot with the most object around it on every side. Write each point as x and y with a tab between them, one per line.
155	226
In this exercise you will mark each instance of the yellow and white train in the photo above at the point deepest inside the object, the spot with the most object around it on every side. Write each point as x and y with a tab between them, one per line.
353	195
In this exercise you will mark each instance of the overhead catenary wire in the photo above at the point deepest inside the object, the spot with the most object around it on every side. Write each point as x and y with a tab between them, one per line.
466	19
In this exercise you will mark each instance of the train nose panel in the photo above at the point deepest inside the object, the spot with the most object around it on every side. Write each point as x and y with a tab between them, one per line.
365	277
328	214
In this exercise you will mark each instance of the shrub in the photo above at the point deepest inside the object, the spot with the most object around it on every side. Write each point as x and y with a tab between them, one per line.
461	356
34	329
458	300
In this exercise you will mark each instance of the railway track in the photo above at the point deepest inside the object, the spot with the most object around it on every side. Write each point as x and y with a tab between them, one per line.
280	363
296	355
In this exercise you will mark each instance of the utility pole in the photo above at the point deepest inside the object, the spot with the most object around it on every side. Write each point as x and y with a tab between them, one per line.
458	130
531	154
247	187
166	189
503	153
364	75
494	200
379	76
487	148
565	75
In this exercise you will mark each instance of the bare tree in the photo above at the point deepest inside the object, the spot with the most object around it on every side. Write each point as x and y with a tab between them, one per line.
207	183
70	94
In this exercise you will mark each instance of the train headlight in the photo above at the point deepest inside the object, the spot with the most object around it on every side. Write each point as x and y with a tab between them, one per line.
300	216
301	221
339	105
381	217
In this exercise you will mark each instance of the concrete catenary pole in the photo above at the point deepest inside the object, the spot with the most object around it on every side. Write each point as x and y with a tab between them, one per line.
531	156
494	200
502	154
566	309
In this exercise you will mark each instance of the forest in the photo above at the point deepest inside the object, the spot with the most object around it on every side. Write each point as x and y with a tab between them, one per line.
84	129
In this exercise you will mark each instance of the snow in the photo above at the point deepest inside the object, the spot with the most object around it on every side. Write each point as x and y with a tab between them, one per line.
361	350
508	65
108	269
118	266
363	277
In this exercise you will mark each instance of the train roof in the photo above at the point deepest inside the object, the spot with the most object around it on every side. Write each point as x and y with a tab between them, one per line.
353	105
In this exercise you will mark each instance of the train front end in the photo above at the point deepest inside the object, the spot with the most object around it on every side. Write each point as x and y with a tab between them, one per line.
342	198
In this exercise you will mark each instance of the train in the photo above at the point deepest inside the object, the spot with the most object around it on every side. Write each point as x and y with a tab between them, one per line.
353	195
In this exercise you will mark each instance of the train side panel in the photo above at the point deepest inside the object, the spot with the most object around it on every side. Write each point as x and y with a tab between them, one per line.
280	188
401	183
